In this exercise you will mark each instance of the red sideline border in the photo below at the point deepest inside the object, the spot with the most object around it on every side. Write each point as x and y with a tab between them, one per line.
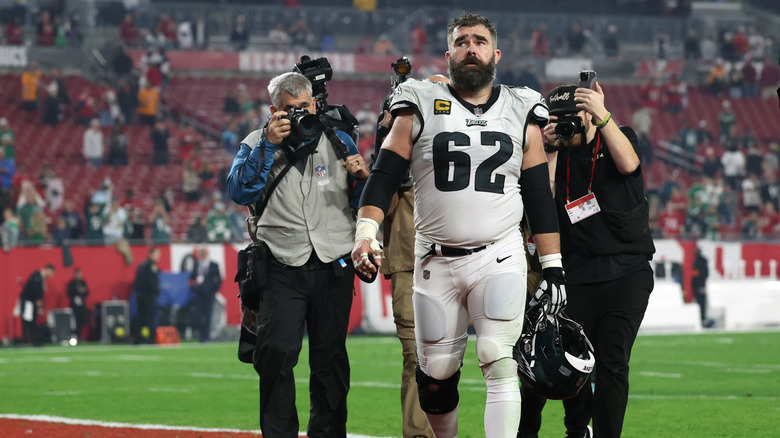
26	426
53	427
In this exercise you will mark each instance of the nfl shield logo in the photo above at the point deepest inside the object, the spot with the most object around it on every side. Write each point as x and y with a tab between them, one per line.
478	111
426	274
321	172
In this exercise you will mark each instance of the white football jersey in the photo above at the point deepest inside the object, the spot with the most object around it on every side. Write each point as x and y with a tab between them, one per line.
466	161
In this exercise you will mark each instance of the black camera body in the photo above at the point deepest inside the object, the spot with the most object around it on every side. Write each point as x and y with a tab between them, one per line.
317	71
568	125
304	125
329	117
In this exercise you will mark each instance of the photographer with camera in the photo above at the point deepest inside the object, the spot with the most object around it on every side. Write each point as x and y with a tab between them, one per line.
606	247
302	194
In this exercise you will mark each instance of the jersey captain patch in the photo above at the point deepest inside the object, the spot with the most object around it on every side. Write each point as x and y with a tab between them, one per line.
441	106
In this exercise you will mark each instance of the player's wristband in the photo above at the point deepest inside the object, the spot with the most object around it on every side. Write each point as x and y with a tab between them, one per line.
366	228
605	121
551	261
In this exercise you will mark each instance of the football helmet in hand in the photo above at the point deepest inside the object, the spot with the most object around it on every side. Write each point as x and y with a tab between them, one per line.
554	357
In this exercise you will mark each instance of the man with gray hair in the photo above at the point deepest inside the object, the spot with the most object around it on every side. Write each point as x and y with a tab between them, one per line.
307	224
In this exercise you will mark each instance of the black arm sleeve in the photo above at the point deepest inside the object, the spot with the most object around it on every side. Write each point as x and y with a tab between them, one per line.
384	180
538	200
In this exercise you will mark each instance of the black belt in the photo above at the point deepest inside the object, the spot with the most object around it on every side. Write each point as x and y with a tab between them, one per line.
315	263
446	251
312	264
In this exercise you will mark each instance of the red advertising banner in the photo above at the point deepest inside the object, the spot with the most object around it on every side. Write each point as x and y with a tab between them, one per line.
278	62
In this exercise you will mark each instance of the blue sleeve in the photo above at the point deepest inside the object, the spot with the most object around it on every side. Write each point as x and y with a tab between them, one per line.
355	184
247	179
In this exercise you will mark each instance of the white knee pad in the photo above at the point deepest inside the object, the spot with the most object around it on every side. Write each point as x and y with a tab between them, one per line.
441	361
443	367
497	343
489	351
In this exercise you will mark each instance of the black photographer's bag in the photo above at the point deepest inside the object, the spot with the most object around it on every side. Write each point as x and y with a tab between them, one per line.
252	274
251	278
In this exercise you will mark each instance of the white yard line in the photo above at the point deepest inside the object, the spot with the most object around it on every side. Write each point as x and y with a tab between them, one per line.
701	397
664	375
83	422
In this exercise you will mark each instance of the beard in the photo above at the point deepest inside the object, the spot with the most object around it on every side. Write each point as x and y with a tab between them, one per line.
467	77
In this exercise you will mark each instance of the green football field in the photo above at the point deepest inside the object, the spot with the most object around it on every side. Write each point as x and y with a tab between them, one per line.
702	385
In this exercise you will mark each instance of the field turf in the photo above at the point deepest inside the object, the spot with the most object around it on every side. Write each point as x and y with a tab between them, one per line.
712	384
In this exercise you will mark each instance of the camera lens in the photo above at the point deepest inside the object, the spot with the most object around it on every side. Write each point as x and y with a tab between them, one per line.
565	130
308	125
303	125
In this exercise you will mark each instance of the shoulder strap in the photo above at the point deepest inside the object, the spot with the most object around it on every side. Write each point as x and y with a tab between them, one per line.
330	132
300	154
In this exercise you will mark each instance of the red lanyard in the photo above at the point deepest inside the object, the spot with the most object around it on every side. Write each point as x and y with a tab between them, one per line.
592	168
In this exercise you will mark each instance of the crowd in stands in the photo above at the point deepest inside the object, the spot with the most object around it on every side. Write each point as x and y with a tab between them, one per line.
293	31
37	208
722	180
193	30
717	181
51	30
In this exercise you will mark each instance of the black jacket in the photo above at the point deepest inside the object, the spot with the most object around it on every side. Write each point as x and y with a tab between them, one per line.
700	272
33	292
616	241
77	289
33	289
211	281
147	281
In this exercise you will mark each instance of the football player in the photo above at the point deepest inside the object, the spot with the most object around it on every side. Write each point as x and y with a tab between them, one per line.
472	146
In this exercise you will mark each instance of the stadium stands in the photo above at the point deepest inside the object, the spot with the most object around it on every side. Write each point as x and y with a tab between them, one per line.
202	99
60	147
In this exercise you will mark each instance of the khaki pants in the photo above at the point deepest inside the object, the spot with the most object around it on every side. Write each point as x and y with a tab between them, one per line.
414	421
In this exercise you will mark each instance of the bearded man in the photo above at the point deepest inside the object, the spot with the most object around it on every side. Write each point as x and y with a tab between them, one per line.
471	146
